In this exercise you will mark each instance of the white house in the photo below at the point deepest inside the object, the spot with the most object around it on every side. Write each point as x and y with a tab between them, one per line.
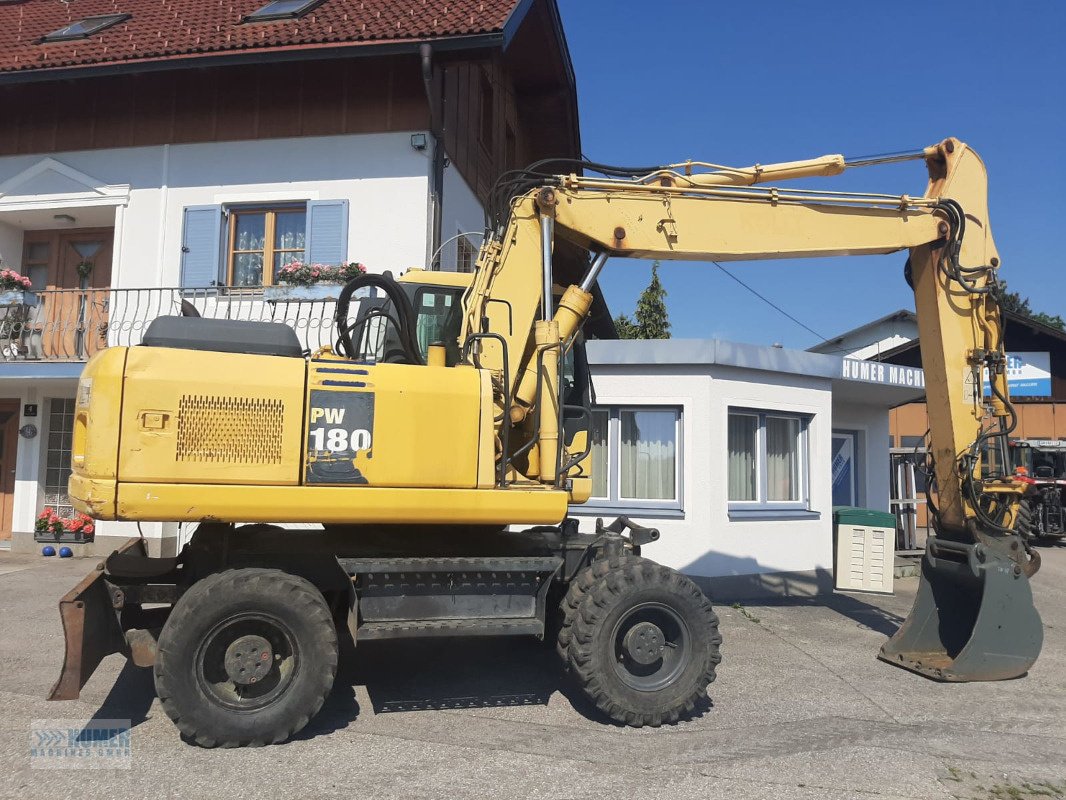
148	159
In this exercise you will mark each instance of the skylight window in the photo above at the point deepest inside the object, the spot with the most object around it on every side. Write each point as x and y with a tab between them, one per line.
282	9
84	28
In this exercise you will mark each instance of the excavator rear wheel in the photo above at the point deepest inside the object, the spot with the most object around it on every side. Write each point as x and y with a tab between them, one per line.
246	657
575	593
644	644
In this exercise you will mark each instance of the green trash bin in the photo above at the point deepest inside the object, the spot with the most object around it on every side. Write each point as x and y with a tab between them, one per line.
865	547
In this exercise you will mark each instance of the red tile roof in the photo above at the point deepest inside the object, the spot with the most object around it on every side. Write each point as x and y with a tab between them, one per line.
170	29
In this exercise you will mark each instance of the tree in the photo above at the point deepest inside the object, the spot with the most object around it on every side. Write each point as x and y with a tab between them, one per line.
1012	301
627	329
651	318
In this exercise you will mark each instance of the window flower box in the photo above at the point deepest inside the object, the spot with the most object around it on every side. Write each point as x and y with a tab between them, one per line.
298	282
285	293
51	527
14	289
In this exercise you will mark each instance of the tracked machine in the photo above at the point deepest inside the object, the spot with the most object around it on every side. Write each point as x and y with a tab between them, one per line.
440	443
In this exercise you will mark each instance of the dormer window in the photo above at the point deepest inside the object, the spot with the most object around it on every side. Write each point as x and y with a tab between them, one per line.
282	9
84	28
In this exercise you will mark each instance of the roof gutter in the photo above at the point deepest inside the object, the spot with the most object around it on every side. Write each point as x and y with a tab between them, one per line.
436	172
265	55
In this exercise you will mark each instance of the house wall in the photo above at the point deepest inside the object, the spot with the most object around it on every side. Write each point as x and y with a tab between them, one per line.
382	176
734	557
10	246
306	99
462	212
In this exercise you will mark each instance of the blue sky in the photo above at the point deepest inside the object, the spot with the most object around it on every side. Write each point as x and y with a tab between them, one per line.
777	80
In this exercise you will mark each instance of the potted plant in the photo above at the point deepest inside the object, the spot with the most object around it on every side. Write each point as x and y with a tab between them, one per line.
14	289
51	527
300	282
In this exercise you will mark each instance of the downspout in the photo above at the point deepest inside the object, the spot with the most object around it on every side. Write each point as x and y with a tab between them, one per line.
436	173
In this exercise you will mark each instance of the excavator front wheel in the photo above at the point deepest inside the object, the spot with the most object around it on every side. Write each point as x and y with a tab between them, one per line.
644	644
246	657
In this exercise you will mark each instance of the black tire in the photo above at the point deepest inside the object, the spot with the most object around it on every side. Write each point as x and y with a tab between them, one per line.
605	646
1025	521
575	593
227	616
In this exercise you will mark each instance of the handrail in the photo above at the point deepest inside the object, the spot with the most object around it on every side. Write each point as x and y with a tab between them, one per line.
74	324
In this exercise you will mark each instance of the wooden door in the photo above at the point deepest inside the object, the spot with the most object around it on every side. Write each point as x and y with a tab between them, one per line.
75	265
9	437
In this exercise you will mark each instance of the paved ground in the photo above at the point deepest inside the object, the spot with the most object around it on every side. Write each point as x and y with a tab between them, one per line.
801	709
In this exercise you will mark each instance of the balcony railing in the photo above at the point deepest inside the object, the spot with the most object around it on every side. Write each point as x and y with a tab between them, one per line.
73	324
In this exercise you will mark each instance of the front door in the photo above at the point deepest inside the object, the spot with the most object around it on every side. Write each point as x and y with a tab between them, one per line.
845	483
70	321
9	437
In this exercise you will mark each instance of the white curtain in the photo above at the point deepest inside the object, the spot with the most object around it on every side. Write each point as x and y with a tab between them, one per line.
648	454
599	453
782	458
742	435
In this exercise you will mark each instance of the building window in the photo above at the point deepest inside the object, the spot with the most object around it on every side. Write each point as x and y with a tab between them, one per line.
767	459
262	241
57	459
282	9
636	456
84	28
465	255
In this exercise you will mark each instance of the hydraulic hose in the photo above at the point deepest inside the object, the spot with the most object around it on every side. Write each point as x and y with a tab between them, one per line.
405	315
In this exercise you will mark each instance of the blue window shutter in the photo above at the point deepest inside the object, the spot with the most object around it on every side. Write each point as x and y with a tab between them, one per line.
201	247
327	231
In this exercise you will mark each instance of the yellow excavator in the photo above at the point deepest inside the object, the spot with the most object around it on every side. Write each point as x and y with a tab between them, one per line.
441	441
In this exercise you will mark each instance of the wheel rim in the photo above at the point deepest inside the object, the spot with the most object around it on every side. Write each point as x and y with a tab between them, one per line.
247	661
651	646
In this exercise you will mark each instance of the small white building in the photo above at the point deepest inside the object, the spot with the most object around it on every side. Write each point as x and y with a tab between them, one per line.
738	453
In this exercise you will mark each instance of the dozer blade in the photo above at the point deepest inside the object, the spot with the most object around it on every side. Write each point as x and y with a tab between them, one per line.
973	618
91	629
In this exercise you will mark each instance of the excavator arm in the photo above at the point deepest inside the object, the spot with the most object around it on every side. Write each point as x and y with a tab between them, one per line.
973	618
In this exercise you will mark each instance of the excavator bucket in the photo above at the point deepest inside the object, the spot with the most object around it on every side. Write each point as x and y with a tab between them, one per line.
973	618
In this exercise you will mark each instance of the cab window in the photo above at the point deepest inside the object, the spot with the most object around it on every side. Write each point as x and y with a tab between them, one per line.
439	311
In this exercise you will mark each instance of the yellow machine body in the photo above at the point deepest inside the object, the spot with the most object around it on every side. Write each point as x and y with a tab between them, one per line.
320	440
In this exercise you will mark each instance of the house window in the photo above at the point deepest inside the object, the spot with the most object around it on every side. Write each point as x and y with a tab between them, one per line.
767	460
84	28
636	456
466	255
57	459
281	9
262	241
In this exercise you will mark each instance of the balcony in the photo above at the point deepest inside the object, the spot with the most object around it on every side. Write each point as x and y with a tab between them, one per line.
70	325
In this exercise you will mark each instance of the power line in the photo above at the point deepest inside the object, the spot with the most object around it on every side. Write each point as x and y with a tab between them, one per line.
770	302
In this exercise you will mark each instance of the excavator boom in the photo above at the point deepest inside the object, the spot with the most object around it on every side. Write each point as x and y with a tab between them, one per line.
974	618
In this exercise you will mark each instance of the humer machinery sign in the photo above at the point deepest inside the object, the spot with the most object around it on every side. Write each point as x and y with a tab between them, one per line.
876	372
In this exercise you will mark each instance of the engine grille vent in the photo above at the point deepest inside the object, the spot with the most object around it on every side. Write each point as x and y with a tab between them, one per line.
230	430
